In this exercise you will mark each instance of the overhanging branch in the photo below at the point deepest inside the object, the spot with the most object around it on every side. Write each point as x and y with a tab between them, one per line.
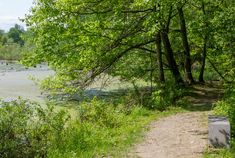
115	59
216	70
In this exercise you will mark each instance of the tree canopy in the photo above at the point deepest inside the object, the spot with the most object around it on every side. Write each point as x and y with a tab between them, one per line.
82	39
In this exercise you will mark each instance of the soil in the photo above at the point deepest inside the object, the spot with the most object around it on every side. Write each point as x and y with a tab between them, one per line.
183	135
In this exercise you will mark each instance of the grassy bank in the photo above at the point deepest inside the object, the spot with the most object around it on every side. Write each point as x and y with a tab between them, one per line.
109	134
100	129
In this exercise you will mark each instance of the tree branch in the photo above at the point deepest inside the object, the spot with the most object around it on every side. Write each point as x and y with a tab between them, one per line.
169	20
216	70
115	59
146	49
111	11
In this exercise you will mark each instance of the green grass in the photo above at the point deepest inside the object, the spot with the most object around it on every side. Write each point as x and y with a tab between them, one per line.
98	138
219	153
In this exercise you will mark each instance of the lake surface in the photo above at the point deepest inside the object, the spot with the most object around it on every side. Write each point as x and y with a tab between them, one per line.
15	80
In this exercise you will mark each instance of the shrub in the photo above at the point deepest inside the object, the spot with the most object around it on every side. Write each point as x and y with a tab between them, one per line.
101	113
10	51
226	107
166	96
101	129
28	130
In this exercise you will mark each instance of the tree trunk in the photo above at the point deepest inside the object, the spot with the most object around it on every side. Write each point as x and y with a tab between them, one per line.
203	61
170	57
187	63
204	53
159	57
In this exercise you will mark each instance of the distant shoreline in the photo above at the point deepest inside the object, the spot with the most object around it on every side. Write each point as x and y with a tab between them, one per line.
15	66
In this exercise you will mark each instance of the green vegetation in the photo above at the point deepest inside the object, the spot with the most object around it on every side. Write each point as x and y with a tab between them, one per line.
226	108
221	153
167	44
100	129
12	43
147	40
11	51
27	130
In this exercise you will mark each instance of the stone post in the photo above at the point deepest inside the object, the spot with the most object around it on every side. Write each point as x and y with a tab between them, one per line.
219	132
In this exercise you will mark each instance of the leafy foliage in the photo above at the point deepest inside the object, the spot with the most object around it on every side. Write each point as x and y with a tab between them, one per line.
27	130
15	34
83	39
10	51
101	129
167	96
226	106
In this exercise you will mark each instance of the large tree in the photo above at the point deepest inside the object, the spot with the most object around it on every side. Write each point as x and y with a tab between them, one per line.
81	39
93	36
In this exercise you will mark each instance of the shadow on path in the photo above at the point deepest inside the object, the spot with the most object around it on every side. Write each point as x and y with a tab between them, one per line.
202	97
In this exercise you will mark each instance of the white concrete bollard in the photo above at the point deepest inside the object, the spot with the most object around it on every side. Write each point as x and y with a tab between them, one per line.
219	132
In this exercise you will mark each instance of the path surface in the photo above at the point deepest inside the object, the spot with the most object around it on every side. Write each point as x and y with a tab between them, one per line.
183	135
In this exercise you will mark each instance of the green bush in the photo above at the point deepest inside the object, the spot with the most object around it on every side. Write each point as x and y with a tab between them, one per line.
28	130
100	113
166	96
100	129
226	107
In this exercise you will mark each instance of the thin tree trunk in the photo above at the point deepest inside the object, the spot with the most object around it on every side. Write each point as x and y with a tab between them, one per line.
187	63
159	57
170	57
203	61
204	53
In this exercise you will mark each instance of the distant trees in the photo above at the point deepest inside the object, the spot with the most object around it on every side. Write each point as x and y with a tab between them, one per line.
12	42
3	38
15	33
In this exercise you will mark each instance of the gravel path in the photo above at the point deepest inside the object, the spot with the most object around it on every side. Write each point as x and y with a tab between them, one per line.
178	136
183	135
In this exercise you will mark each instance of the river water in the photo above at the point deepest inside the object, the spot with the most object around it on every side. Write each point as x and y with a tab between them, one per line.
15	81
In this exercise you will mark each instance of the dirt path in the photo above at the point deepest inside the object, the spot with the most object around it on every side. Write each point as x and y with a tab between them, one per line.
183	135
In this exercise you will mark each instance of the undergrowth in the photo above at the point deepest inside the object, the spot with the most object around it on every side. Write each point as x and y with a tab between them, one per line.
225	107
101	129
